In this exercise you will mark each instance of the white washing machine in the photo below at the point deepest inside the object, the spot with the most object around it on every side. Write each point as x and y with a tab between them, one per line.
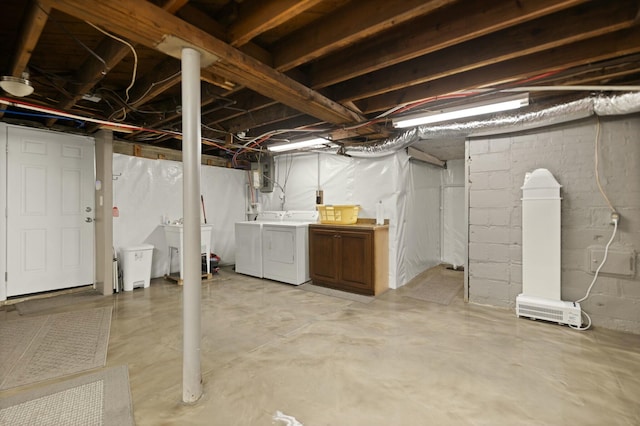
249	242
285	248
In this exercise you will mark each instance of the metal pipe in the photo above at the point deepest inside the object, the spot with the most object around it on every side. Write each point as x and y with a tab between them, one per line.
191	156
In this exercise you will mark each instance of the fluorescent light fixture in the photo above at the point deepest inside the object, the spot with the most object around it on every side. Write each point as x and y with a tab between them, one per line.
470	110
297	145
17	86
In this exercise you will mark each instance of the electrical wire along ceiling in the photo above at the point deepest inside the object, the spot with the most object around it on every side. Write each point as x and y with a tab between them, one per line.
278	72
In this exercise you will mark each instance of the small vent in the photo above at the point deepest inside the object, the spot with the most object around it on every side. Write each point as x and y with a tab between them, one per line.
543	313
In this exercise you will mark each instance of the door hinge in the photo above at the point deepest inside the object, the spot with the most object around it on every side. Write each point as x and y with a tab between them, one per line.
6	276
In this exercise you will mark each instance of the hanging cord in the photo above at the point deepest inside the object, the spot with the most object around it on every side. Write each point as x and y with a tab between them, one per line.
94	54
613	235
135	64
596	166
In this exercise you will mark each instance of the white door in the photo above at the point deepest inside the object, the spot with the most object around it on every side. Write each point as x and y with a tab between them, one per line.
453	226
50	211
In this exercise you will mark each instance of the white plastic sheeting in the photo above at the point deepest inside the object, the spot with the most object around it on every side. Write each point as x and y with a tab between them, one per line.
422	231
409	191
147	192
454	227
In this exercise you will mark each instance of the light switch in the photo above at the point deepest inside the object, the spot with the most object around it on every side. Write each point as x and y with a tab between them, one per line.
619	261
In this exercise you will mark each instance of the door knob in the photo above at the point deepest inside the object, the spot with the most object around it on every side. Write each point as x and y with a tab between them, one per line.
88	219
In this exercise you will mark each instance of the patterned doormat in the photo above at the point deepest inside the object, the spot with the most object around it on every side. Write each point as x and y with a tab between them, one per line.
101	398
45	347
34	306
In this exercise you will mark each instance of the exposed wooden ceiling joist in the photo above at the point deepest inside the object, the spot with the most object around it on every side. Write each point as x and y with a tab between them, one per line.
263	16
354	22
93	70
32	29
151	26
329	64
588	51
446	27
534	36
195	17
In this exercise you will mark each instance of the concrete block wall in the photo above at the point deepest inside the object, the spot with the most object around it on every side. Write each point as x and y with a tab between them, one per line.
497	167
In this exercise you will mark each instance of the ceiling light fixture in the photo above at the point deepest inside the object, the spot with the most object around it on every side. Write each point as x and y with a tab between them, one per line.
469	110
17	86
297	145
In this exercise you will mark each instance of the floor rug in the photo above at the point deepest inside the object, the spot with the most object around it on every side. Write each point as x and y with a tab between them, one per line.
337	293
40	305
435	288
45	347
100	398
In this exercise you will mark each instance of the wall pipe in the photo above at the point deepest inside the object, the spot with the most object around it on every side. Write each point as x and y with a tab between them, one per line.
191	156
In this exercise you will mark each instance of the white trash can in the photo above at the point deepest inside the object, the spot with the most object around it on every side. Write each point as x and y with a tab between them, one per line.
136	266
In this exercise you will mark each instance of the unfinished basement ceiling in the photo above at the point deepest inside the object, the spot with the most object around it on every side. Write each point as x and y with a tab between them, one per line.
333	68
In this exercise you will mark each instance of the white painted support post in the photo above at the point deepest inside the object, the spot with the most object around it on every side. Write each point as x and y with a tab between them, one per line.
191	155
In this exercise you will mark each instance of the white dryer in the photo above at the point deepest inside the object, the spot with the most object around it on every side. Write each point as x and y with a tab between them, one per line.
285	247
249	242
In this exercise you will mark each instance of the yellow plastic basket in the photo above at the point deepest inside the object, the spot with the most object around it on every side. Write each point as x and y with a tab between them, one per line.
341	215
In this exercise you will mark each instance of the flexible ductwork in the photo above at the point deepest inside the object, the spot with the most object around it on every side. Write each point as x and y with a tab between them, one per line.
628	103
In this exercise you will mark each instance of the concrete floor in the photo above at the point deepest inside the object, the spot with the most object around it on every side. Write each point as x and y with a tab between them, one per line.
270	347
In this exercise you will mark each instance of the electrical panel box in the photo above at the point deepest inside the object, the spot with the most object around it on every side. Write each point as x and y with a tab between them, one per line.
265	169
619	261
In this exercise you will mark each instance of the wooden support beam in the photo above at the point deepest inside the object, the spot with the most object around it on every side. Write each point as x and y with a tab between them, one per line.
195	17
173	6
542	34
433	28
92	70
446	27
156	152
216	80
349	24
263	16
151	26
581	53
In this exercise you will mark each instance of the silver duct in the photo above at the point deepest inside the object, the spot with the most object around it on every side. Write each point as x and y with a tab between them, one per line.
628	103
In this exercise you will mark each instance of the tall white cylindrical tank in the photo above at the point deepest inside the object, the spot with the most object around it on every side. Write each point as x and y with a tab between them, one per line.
541	235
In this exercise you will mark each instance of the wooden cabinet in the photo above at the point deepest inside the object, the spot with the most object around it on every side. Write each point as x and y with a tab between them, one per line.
352	258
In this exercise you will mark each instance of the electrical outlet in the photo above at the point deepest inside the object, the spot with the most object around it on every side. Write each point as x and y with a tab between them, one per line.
615	218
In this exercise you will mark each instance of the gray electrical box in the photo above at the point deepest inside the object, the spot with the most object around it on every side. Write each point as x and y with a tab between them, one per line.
619	261
266	172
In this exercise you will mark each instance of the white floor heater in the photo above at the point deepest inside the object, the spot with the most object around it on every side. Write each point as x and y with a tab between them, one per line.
540	297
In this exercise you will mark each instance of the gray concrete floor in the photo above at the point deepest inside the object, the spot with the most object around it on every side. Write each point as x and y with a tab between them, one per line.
269	347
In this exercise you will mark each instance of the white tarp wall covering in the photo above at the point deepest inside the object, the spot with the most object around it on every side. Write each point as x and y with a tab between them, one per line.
422	233
409	191
454	227
146	190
